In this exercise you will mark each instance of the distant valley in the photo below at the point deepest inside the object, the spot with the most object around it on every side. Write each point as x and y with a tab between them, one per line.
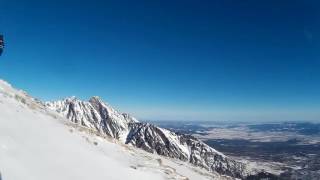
289	149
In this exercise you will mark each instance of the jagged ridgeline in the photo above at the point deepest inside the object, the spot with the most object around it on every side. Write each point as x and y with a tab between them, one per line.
101	117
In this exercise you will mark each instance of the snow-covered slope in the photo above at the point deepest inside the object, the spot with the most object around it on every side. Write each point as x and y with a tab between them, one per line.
38	144
97	115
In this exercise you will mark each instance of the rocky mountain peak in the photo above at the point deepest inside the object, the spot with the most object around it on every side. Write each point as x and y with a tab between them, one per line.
96	99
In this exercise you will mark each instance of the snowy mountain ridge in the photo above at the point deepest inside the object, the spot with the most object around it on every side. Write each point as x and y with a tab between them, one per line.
94	114
100	116
37	143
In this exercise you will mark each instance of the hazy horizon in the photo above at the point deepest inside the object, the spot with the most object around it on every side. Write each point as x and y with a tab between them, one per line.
169	60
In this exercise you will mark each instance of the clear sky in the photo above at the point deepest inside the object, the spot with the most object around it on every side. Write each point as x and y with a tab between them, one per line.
169	60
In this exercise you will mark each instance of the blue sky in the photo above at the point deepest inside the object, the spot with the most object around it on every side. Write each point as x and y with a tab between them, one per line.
169	60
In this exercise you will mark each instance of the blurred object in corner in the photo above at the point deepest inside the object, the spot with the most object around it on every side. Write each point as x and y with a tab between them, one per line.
1	44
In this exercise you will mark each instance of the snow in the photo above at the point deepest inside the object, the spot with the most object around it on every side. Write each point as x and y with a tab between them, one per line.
38	144
34	145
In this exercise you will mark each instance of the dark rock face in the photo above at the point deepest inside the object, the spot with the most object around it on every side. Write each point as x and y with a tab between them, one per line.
152	139
186	148
263	176
204	156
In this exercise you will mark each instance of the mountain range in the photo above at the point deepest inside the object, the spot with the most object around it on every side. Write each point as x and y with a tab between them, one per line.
32	139
101	117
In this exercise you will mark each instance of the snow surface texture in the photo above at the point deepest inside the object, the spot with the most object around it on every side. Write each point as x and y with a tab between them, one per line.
101	117
38	144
